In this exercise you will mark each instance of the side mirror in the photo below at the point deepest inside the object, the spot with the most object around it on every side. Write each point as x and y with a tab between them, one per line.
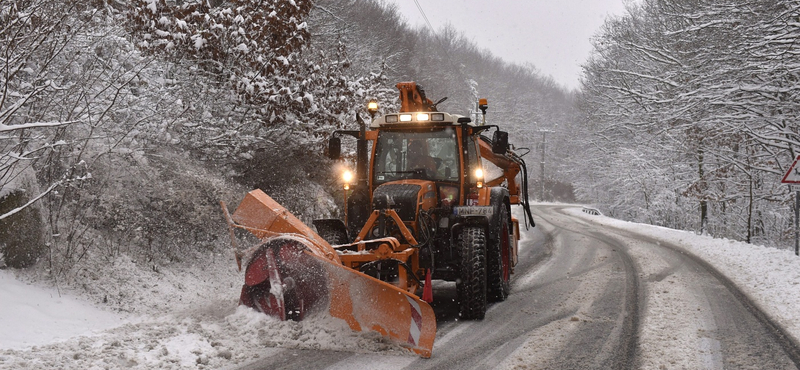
500	142
334	148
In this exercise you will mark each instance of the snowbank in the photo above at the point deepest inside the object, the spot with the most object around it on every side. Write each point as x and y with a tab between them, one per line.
31	315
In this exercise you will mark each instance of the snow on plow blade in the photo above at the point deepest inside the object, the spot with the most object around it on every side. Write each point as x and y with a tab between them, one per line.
294	272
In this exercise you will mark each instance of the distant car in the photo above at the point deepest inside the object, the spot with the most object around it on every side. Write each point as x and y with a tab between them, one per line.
592	211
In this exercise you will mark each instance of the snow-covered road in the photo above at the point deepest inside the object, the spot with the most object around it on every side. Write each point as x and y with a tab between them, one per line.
688	316
588	293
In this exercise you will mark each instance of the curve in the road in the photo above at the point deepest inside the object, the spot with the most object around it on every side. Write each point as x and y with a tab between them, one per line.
787	343
746	337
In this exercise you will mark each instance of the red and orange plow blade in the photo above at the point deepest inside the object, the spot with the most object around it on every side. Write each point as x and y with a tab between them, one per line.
295	272
366	303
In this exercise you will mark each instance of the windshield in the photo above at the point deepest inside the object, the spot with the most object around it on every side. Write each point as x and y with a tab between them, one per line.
427	155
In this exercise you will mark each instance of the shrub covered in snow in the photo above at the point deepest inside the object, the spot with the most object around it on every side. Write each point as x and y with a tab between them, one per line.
21	242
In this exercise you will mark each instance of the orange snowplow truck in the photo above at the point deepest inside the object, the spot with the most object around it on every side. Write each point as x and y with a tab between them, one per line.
421	209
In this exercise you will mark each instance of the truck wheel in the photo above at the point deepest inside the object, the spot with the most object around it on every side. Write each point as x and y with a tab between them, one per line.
332	230
499	259
471	286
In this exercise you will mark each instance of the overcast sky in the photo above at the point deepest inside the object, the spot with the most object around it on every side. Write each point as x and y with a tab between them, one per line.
553	35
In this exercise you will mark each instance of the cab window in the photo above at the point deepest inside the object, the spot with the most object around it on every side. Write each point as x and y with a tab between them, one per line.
430	155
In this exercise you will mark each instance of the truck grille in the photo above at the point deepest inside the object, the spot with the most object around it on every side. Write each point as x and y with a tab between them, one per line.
404	197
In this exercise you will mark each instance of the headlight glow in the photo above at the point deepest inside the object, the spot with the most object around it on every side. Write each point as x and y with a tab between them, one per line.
405	118
372	106
347	176
422	117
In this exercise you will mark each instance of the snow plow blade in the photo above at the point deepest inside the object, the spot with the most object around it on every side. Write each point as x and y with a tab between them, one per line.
294	272
366	303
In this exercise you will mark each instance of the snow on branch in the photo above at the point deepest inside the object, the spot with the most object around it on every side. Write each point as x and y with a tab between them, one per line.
34	200
9	128
708	91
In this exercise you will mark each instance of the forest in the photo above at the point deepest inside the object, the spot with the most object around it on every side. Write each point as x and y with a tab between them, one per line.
694	113
123	123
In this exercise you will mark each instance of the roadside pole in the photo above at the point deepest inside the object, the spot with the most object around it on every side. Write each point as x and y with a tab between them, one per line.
541	167
541	164
792	178
796	189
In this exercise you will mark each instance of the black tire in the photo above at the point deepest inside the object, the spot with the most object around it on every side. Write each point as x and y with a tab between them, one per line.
471	286
498	258
334	238
333	231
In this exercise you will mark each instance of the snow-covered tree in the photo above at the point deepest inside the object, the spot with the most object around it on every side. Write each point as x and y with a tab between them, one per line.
709	85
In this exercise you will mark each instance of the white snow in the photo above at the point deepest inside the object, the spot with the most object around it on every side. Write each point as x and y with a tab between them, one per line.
243	48
184	317
152	6
187	317
199	41
34	315
29	125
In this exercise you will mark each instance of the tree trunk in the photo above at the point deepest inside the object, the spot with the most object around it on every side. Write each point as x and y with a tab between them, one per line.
750	209
703	201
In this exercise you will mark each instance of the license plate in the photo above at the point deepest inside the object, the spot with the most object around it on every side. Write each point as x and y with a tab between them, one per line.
474	211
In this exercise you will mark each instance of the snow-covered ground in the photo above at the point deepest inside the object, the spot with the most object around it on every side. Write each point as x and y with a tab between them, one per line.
30	316
187	317
183	317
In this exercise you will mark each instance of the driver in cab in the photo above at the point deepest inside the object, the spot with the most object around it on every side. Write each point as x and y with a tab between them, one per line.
419	158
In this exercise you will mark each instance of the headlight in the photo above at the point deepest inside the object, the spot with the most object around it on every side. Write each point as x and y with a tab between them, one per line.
347	176
423	117
479	173
405	118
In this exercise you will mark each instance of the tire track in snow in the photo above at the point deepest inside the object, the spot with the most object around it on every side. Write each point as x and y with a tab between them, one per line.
623	354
